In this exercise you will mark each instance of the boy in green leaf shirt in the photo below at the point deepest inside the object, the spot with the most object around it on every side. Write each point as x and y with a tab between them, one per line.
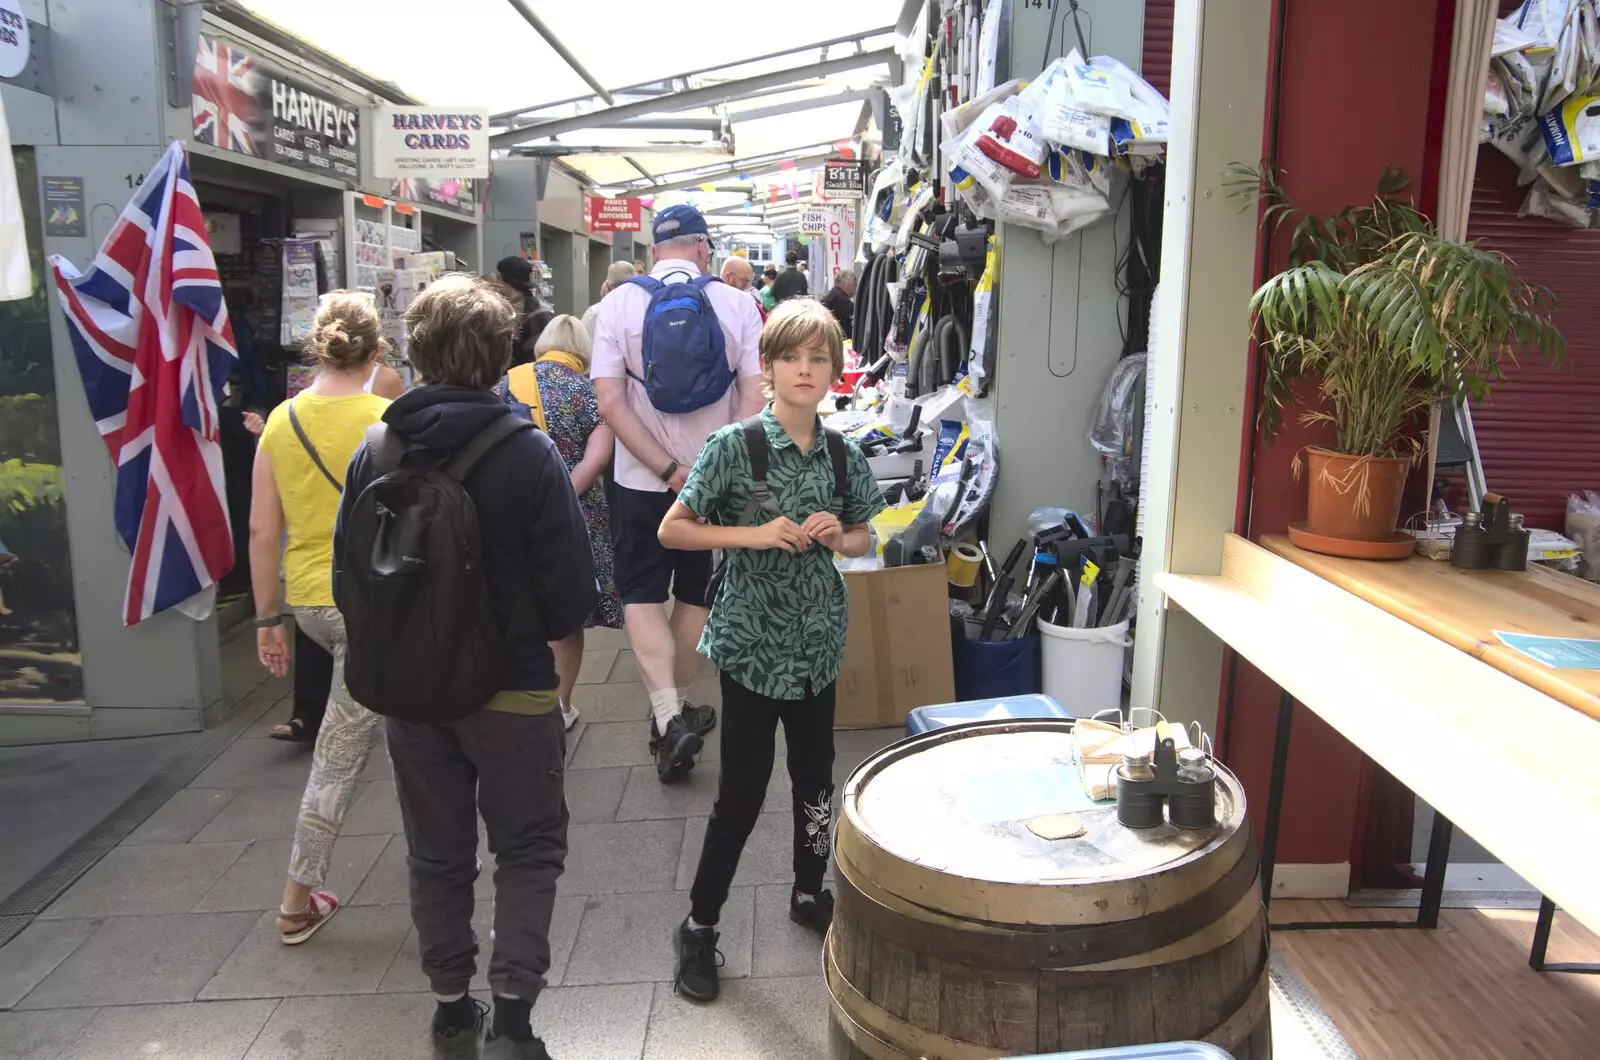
776	629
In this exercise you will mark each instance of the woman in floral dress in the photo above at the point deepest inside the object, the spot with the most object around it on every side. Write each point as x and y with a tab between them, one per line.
566	407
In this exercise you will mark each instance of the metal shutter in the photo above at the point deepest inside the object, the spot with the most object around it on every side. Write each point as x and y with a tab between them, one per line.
1539	434
1156	66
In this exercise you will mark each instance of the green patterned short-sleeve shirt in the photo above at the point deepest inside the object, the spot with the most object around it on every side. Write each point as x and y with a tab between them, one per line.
778	621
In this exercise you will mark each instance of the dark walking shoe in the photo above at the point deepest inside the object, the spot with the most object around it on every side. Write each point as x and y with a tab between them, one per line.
504	1047
698	961
675	754
700	719
458	1028
814	915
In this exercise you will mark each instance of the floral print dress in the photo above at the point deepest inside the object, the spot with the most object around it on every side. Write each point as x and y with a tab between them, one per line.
571	414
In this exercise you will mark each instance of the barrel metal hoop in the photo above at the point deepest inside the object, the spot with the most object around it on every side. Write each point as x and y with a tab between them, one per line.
989	944
885	1027
1243	1021
1098	901
874	1047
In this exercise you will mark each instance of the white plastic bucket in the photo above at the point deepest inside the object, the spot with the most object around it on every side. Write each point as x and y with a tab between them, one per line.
1082	668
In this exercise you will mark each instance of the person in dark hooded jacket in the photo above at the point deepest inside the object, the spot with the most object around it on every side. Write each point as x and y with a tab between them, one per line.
505	760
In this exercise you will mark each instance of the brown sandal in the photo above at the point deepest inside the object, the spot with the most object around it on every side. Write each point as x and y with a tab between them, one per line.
295	928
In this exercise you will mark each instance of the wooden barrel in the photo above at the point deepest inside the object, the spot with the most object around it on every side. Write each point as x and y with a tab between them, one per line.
961	934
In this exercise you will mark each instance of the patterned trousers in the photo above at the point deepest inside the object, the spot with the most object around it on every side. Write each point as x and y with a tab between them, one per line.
343	744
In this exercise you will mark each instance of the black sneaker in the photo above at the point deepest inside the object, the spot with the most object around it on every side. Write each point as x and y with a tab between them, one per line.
698	961
676	751
504	1047
700	719
457	1032
815	915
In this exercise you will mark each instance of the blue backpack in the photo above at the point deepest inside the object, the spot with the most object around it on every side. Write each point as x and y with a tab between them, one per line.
685	357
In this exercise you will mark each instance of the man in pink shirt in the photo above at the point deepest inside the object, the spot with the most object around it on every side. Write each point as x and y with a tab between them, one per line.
655	451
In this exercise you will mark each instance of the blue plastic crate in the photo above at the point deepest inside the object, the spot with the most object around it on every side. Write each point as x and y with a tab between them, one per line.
940	715
1162	1051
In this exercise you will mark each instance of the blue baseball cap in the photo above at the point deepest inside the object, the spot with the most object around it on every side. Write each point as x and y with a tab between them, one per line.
676	221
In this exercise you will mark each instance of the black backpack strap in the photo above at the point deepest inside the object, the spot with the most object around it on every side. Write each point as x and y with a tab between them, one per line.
841	484
386	447
755	443
311	450
467	458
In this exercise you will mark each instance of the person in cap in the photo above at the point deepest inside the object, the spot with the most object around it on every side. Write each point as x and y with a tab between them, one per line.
516	285
840	300
791	282
517	273
654	452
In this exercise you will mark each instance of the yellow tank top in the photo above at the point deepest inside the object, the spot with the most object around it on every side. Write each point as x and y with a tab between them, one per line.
335	426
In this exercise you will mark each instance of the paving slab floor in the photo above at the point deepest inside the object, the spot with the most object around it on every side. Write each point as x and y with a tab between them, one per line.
165	950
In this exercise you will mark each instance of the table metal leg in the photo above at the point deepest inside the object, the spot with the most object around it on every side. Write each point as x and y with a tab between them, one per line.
1438	847
1280	769
1433	879
1541	943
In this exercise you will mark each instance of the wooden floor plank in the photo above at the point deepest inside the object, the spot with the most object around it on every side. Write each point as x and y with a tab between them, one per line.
1463	992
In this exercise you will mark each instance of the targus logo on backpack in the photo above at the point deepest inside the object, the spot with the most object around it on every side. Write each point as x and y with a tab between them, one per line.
418	560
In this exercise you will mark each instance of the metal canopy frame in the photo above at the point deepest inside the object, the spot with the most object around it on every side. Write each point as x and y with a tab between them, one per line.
571	60
710	147
693	98
757	166
666	85
798	105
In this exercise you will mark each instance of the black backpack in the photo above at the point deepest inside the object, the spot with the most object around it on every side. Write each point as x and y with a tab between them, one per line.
423	644
760	502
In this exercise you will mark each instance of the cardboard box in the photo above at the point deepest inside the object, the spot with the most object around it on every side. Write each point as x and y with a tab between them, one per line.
897	647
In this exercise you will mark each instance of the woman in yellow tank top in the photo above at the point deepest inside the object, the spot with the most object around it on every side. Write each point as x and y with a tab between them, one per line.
305	448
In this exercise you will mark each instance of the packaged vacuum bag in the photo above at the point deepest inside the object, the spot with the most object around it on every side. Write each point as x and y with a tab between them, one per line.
1572	131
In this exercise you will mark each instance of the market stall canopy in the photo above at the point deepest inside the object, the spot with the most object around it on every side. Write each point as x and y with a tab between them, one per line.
763	86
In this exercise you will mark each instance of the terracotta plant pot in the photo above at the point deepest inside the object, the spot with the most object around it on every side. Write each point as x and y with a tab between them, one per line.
1354	497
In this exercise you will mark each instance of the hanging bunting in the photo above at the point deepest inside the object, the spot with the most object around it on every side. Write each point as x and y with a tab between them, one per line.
710	188
794	192
787	163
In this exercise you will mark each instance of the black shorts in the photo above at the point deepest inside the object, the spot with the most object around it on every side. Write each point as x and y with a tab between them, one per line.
644	567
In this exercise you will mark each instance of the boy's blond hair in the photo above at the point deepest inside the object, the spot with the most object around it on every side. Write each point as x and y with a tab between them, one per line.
801	322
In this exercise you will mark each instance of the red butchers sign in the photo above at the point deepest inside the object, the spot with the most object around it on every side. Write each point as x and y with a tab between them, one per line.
611	215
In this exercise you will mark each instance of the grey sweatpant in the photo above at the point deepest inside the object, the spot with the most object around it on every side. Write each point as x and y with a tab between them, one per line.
509	767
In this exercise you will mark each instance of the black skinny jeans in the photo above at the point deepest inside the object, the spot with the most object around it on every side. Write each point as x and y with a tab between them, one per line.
749	724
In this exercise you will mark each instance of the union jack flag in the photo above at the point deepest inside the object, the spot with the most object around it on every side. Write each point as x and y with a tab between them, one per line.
155	348
225	111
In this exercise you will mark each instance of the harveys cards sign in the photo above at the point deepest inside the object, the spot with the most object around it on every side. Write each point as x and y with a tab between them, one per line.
430	142
247	105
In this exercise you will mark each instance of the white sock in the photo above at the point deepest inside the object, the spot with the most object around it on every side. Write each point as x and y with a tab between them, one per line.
445	999
666	705
802	897
695	925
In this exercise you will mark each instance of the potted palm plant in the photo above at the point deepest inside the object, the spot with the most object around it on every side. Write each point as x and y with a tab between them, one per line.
1389	319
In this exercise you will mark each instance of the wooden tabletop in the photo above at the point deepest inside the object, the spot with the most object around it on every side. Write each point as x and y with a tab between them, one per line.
1508	763
1463	608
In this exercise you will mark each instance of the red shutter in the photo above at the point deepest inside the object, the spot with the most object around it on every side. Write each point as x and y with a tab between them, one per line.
1539	435
1156	66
